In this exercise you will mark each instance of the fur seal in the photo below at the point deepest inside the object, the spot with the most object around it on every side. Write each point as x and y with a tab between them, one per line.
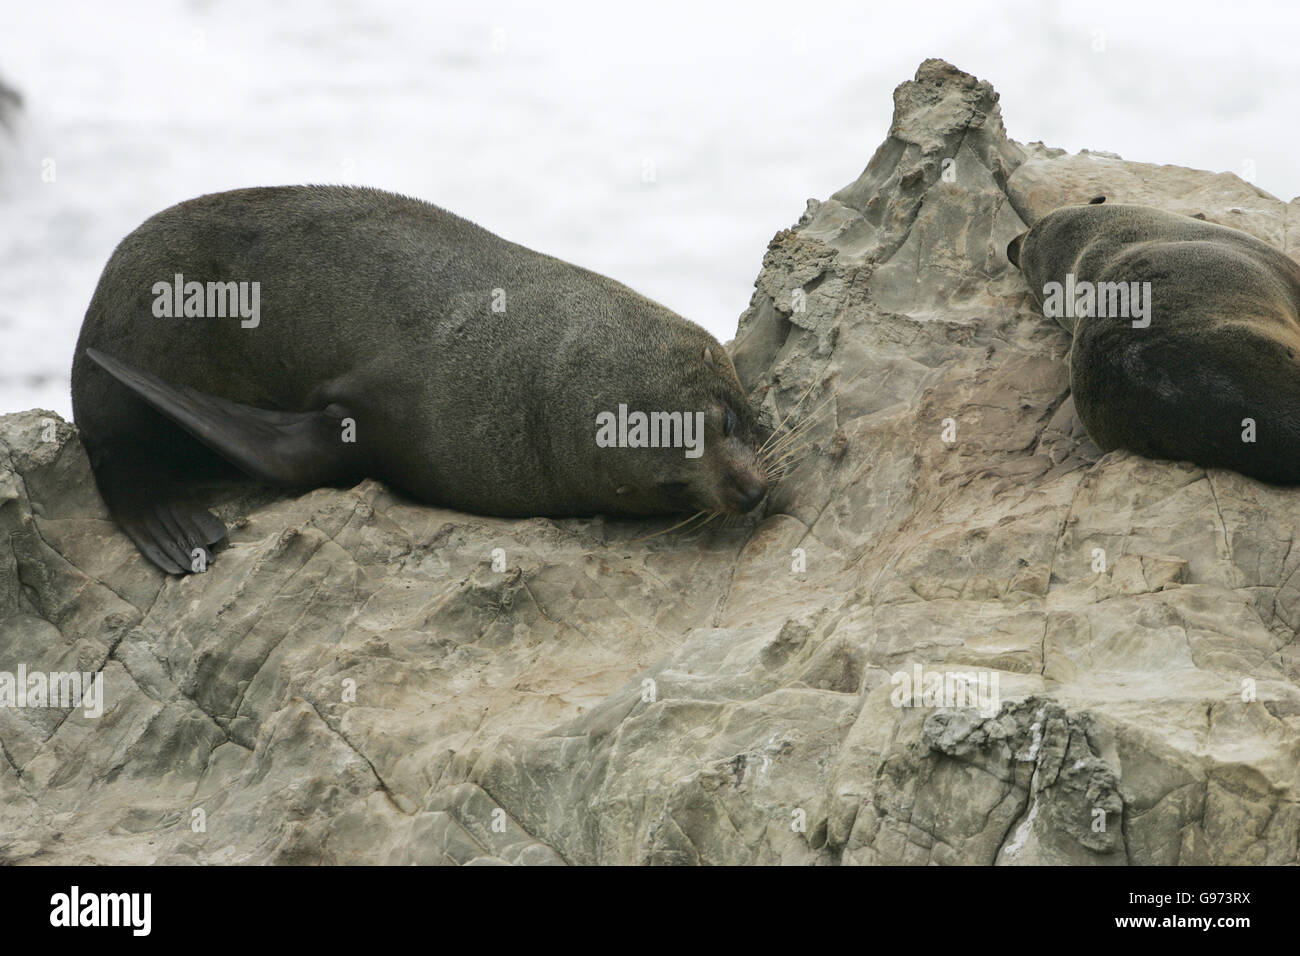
1205	369
357	333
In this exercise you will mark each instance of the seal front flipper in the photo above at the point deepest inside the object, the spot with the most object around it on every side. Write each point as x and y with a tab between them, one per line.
280	448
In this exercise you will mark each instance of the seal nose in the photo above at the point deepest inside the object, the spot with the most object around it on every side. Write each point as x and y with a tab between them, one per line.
749	492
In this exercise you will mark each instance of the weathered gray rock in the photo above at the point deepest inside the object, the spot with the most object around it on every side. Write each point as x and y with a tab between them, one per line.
361	679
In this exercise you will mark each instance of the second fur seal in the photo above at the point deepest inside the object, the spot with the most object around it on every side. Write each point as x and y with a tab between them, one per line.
389	338
1204	363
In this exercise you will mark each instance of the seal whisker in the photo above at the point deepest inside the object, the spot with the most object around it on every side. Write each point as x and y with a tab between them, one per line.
793	408
777	450
679	524
774	442
812	416
784	466
776	467
698	527
787	437
777	456
794	449
783	463
790	452
795	443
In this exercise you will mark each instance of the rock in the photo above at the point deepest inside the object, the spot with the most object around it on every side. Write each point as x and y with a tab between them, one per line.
1041	185
960	634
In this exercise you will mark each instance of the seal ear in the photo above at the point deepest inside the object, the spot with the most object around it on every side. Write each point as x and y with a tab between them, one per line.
1096	200
708	358
1013	249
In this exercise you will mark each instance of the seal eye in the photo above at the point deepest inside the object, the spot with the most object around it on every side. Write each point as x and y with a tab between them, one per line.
728	421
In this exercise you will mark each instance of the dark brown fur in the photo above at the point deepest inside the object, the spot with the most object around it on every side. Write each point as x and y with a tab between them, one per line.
1221	347
379	307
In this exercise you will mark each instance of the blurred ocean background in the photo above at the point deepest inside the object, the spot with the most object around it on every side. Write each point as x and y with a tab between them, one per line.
662	144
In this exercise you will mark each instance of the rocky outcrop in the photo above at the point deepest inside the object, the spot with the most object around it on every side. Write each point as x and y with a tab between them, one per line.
1102	647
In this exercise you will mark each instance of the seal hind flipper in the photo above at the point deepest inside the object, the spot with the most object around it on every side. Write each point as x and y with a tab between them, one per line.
172	535
280	448
168	529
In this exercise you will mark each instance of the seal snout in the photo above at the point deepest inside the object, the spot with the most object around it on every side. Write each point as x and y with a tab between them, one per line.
745	491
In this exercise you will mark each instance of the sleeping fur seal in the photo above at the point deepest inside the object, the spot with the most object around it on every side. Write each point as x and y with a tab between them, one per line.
1206	369
389	339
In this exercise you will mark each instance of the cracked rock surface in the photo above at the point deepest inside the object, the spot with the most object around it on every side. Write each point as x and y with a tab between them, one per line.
361	679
